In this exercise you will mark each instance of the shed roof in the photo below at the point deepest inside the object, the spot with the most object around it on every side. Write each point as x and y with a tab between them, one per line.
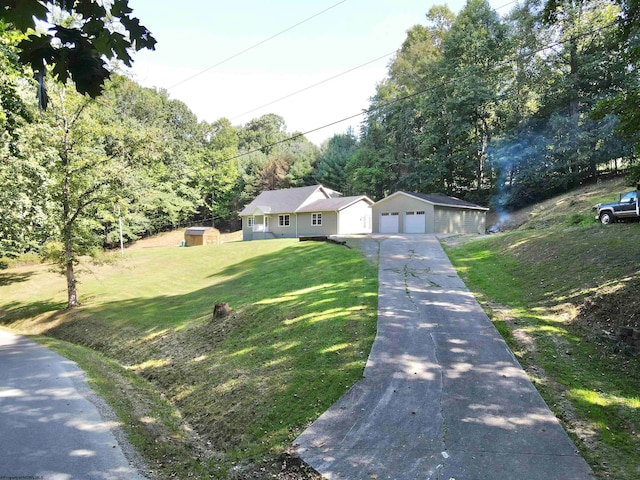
333	204
197	230
437	199
287	200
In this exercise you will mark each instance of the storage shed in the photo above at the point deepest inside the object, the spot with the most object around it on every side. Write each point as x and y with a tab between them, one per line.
405	212
201	236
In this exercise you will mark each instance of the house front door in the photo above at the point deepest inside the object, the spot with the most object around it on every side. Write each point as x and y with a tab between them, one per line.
266	223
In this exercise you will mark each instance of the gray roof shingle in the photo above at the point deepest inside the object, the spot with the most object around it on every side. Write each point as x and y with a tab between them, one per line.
333	204
197	230
444	200
280	201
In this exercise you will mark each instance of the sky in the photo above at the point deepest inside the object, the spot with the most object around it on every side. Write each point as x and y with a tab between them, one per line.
207	56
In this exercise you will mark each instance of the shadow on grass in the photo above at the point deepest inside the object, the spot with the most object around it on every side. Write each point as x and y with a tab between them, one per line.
302	325
9	278
14	312
550	267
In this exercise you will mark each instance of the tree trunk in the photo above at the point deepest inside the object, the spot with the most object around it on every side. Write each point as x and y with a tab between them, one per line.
72	293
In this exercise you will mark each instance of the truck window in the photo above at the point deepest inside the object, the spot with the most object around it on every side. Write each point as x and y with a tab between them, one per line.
629	197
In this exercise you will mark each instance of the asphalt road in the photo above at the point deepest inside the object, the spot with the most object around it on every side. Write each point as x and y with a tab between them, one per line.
442	396
52	427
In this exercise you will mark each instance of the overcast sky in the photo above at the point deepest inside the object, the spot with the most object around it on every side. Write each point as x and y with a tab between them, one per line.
195	35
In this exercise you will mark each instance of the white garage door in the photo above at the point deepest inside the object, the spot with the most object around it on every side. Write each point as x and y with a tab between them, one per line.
414	222
389	222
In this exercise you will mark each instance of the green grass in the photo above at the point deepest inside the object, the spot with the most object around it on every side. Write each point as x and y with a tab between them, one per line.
303	321
532	283
152	424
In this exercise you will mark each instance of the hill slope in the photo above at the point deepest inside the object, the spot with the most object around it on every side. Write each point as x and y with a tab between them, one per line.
228	393
560	287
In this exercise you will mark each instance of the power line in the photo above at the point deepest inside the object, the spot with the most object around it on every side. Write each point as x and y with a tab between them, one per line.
256	45
314	85
335	76
421	92
506	4
278	34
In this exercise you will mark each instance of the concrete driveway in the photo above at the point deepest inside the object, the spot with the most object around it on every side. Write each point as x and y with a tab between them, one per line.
442	395
52	427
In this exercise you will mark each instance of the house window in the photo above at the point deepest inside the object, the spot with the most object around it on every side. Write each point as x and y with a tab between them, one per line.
284	220
250	222
420	212
316	219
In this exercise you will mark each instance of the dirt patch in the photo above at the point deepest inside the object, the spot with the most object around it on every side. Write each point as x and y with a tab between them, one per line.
614	314
606	312
286	466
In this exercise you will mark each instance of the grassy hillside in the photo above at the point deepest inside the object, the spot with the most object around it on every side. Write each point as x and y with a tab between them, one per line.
558	285
215	397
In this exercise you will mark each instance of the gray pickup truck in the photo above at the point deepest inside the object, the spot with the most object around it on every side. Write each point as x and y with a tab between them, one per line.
626	208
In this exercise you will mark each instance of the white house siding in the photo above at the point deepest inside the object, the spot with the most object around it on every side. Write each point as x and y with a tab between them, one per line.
459	220
401	204
355	219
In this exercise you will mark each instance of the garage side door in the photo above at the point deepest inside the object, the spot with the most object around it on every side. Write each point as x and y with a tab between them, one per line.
389	222
414	222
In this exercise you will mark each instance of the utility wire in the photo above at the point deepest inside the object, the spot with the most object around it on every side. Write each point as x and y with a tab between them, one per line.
256	45
335	76
426	90
278	34
314	85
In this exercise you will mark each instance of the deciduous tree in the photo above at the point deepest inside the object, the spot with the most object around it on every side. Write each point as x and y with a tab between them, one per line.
72	36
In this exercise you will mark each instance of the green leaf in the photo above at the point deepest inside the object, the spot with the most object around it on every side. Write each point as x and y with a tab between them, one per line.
113	44
21	12
87	71
120	8
93	27
90	9
140	36
36	51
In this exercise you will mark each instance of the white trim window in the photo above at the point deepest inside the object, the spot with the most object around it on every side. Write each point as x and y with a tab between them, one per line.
250	222
316	219
284	220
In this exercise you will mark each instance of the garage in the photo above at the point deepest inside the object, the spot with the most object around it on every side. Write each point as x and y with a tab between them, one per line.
406	212
414	221
389	222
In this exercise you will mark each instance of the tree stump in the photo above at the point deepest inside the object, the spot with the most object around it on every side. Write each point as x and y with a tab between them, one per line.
221	310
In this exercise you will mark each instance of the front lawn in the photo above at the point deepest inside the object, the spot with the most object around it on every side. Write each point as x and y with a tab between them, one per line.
303	321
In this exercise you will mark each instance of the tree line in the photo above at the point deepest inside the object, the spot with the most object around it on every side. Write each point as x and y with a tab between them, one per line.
503	111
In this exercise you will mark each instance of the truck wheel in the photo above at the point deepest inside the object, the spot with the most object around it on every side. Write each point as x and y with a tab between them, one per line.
606	218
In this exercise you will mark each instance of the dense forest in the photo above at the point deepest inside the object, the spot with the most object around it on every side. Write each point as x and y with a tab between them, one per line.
503	111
